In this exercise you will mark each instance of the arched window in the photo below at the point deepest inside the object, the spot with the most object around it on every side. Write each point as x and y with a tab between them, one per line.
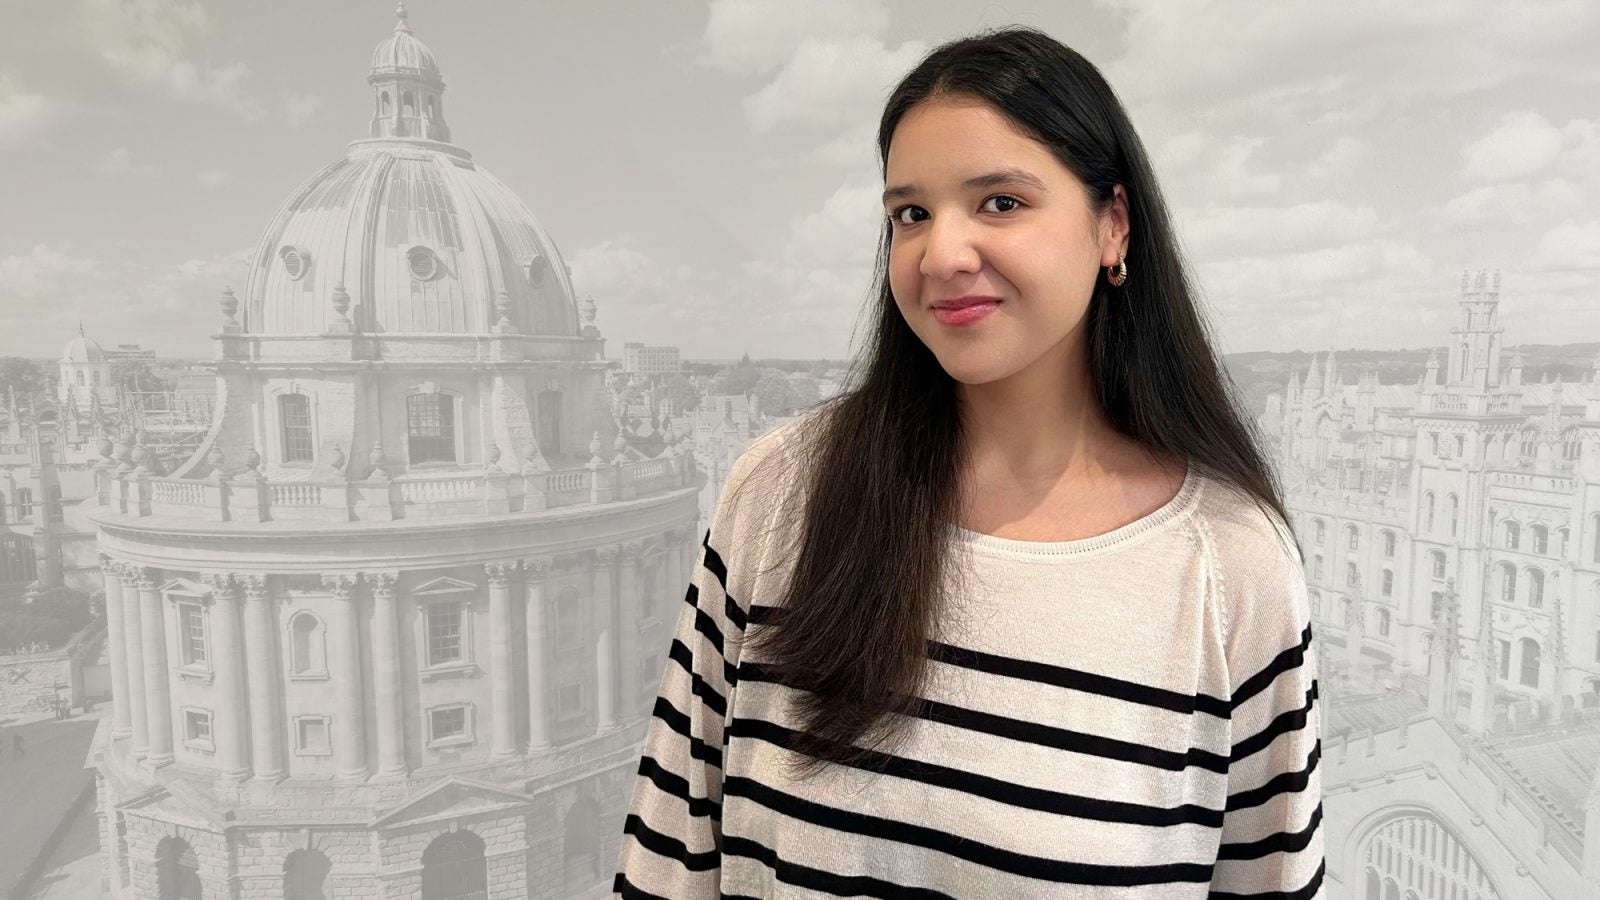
1536	588
1541	539
1513	535
1427	511
307	645
1438	562
408	104
1316	604
1388	583
24	502
1322	530
431	428
1594	533
1455	509
97	379
1383	623
177	870
1388	545
1433	610
1352	537
383	103
81	382
1316	568
305	872
1508	583
1563	541
1530	662
453	868
1350	574
433	107
294	417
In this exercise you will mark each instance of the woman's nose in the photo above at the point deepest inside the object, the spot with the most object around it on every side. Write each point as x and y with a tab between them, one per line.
949	250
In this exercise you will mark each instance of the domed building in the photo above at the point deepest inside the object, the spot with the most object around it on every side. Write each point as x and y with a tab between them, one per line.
85	371
395	628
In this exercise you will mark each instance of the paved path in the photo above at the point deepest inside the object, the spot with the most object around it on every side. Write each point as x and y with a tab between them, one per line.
37	789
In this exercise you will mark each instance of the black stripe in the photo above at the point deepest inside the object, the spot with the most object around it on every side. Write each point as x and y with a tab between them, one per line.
1282	783
1077	679
1035	733
820	880
989	788
670	847
675	785
1282	842
1283	662
1287	721
679	722
1304	893
621	885
713	699
958	846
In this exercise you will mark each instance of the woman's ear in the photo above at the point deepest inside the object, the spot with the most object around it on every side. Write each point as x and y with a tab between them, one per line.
1114	236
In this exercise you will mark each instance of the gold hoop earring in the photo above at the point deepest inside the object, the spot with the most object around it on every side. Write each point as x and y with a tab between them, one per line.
1122	271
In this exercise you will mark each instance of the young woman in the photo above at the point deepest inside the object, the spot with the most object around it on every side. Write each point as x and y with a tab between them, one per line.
1019	613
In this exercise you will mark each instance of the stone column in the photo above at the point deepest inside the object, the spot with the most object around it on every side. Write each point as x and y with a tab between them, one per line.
133	647
386	672
261	663
628	630
605	561
158	699
503	734
533	575
230	728
350	732
116	646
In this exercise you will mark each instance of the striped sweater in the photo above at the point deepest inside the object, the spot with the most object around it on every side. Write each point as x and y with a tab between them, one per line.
1131	715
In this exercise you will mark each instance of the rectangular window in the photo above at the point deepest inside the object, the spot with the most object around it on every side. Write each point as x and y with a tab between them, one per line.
294	411
311	736
566	623
571	699
192	621
449	725
431	428
444	634
1505	659
197	727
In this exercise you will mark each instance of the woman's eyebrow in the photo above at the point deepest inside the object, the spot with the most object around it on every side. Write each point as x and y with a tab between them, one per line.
986	180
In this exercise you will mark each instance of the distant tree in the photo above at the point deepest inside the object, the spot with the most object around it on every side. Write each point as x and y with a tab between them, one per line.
23	375
775	392
136	375
681	391
54	615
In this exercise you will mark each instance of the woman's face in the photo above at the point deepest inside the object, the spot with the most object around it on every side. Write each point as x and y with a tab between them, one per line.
1021	231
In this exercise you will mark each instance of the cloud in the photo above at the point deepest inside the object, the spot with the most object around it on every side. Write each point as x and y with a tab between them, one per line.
754	37
24	114
610	268
120	162
143	39
1237	232
1570	246
1522	144
222	88
1516	203
1214	167
213	178
299	109
843	234
831	82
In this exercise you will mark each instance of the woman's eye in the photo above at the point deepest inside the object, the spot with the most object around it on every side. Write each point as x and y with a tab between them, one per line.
895	218
1012	200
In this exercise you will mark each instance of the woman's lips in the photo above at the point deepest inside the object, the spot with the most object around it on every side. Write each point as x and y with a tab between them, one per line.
966	315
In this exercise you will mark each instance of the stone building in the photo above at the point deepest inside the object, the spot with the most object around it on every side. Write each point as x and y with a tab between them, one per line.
85	371
395	629
1451	534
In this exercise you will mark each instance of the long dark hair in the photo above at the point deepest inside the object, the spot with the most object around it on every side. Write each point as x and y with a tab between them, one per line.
878	464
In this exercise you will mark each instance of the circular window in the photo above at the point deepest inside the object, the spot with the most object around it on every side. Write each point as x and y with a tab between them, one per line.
424	265
537	266
295	261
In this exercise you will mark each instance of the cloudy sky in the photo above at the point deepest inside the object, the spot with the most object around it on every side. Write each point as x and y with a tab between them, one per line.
708	169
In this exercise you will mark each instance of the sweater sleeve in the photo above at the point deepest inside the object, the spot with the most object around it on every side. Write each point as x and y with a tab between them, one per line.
672	837
1272	838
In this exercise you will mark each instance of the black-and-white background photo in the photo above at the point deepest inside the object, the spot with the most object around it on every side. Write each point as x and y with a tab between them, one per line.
369	374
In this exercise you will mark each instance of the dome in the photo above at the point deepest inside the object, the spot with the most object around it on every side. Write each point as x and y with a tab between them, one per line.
402	51
421	238
82	350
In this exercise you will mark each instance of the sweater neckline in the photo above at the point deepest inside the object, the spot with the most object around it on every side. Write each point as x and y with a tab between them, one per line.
1187	496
